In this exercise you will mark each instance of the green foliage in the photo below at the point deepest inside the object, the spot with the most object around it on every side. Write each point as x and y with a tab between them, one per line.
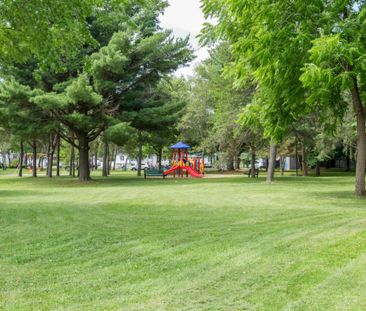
18	114
121	134
270	46
79	108
44	29
212	114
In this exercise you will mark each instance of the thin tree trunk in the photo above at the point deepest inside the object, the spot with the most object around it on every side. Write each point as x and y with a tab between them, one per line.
361	142
272	162
105	159
115	159
9	158
348	159
160	156
58	155
34	155
126	162
252	164
84	165
96	160
237	163
296	158
282	165
21	156
304	164
111	159
139	160
49	165
317	168
72	161
26	159
40	166
50	152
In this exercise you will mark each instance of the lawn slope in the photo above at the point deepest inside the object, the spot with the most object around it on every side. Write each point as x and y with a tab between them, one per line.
124	243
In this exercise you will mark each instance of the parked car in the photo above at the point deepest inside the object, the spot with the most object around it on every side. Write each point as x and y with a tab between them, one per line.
144	166
260	164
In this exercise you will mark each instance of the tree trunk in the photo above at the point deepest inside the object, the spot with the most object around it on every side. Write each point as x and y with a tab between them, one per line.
49	164
111	159
40	162
296	157
21	156
9	157
96	160
348	160
252	164
84	165
272	162
50	152
34	159
105	159
26	160
58	155
126	162
317	169
361	141
282	165
304	163
139	160
160	156
230	163
115	159
72	161
95	156
237	163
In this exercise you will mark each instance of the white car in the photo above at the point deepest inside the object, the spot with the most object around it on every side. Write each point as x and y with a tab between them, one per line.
144	166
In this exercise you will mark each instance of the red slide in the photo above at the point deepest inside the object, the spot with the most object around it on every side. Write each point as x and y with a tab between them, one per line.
171	170
190	170
193	172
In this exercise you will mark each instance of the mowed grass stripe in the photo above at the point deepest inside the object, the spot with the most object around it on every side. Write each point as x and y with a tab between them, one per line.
213	244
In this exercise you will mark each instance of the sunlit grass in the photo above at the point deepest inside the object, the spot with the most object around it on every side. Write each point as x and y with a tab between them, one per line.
123	243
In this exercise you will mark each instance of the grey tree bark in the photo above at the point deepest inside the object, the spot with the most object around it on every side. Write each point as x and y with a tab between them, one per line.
21	156
272	162
34	158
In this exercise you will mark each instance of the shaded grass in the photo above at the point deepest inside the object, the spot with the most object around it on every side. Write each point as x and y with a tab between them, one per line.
124	243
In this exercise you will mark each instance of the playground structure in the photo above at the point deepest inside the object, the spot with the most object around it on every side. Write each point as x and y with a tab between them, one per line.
183	165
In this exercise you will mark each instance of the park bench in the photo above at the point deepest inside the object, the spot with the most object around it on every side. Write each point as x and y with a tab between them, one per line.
256	172
153	173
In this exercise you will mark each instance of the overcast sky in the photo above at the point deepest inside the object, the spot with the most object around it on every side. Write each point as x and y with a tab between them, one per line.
185	17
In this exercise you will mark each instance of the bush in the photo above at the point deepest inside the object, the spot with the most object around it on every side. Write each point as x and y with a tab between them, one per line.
14	163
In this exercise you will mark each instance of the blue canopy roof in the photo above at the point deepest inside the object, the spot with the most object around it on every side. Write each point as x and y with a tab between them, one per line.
180	145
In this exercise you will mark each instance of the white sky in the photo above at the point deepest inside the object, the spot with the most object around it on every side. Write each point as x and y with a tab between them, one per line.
185	17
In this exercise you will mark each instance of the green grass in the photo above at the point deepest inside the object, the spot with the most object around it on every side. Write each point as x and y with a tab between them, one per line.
124	243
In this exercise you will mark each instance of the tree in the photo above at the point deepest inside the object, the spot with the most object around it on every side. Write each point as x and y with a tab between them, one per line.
127	72
83	112
47	29
273	42
20	116
211	119
336	71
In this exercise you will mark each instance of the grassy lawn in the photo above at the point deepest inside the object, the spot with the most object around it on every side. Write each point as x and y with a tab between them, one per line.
124	243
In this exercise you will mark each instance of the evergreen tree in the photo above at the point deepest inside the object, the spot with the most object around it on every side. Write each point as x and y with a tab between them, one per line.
21	117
